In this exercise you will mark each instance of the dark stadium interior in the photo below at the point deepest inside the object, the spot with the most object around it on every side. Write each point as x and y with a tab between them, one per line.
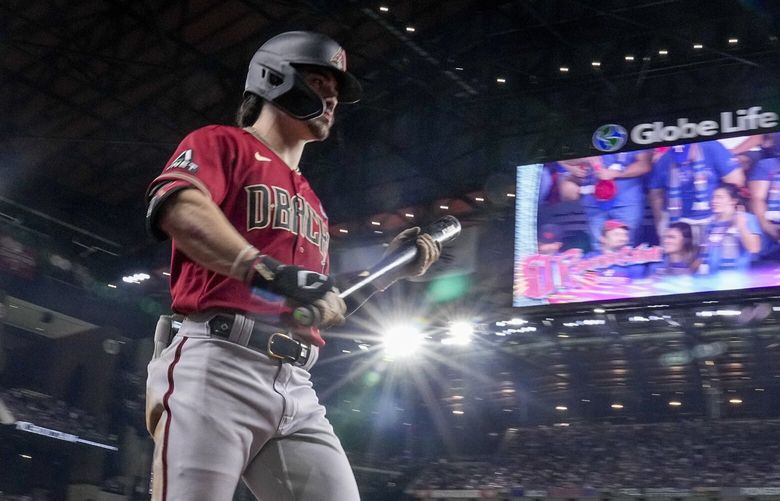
96	95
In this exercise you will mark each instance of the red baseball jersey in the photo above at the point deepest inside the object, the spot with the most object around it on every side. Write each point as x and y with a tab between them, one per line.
271	205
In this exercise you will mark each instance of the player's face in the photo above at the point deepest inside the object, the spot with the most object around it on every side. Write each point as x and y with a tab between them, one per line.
616	239
325	84
722	203
673	241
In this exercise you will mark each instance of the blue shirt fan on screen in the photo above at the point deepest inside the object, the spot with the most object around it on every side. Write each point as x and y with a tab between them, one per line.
689	174
769	170
625	202
723	247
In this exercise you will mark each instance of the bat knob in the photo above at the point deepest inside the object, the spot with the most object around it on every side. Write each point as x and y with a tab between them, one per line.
306	316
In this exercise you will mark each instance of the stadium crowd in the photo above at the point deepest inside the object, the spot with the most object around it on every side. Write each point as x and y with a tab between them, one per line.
679	455
45	411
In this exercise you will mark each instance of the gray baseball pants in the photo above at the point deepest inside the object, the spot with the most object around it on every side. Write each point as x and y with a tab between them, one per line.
220	412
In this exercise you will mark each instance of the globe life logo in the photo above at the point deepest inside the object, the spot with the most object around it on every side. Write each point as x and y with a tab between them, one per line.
739	121
609	137
605	137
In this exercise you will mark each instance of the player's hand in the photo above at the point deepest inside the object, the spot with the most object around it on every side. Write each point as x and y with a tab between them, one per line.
332	309
428	251
290	281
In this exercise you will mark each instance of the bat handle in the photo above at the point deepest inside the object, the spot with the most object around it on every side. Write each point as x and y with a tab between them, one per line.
307	315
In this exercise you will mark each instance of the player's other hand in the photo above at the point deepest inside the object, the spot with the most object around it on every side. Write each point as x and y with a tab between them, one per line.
332	309
428	251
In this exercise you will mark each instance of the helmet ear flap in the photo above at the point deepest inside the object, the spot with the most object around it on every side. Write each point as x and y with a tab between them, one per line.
285	88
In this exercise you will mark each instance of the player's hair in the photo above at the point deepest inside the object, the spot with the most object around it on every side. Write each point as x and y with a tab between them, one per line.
249	110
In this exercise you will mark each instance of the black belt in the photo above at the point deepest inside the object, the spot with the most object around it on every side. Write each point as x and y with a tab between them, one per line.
274	343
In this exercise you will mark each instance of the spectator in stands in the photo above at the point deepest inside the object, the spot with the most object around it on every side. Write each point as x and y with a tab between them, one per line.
608	187
681	256
550	239
683	181
733	238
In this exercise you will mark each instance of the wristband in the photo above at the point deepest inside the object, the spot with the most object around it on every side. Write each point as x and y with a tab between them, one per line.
236	270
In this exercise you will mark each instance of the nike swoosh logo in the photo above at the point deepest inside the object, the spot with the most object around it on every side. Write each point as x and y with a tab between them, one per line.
261	158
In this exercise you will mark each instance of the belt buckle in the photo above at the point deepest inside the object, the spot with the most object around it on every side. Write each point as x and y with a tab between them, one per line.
276	355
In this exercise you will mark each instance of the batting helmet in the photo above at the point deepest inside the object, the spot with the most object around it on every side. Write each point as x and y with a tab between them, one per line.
273	75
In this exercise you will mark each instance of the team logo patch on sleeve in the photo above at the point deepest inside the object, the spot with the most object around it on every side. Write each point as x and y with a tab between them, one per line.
184	161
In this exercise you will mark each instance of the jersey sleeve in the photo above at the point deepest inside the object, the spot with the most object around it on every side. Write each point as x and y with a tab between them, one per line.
203	160
659	172
723	161
762	170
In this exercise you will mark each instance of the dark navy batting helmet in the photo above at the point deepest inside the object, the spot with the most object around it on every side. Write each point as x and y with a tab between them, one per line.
273	73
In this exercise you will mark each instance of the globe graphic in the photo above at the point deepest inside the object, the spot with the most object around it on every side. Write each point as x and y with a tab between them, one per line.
610	137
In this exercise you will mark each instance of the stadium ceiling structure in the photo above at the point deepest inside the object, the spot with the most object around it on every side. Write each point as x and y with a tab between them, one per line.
96	95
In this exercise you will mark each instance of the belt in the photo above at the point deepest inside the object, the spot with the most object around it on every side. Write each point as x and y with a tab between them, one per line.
245	331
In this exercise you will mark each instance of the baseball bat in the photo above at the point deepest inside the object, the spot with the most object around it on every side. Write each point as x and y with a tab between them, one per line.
442	230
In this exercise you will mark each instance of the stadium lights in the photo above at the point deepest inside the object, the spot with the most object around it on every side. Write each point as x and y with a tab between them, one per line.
630	58
698	46
663	52
342	230
513	321
402	341
675	403
564	69
479	199
458	68
599	310
617	406
111	286
596	64
501	80
721	313
733	41
410	29
521	330
384	9
460	333
25	456
561	408
735	401
457	412
136	278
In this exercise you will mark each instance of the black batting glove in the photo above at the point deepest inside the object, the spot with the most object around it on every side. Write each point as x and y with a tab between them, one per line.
294	282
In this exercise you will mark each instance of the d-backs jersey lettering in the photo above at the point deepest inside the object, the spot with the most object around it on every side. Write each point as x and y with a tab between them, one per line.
272	206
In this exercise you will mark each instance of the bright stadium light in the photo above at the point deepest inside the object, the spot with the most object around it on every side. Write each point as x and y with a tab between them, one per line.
136	278
460	333
401	341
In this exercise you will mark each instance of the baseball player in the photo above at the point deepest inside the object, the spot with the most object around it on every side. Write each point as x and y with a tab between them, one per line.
229	396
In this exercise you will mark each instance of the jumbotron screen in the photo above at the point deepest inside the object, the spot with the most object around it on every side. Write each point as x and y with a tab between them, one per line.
689	218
